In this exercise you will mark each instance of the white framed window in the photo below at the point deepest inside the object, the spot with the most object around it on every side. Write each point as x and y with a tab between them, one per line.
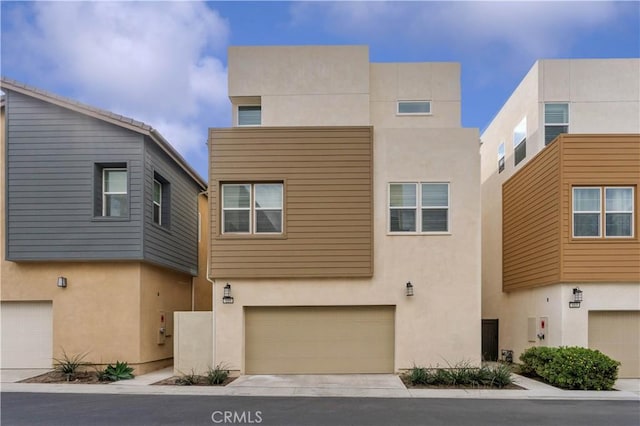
252	208
520	141
157	202
419	207
556	120
414	108
597	208
501	162
249	115
115	202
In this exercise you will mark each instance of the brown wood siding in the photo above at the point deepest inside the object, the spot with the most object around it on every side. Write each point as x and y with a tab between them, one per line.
328	201
531	223
599	160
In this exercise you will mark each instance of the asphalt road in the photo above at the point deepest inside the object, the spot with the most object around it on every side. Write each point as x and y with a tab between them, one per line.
121	410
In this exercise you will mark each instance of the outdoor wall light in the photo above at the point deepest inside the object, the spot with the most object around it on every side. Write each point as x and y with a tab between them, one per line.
577	298
62	282
409	289
227	298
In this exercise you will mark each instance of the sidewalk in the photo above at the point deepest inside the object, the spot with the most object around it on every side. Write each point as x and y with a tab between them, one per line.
358	385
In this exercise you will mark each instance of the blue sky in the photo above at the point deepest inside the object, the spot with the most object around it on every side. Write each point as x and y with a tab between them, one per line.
164	63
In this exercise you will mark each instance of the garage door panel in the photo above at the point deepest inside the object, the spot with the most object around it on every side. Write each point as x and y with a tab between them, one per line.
617	334
26	334
320	340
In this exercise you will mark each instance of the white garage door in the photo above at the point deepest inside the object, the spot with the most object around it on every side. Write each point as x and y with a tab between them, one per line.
617	334
26	335
319	340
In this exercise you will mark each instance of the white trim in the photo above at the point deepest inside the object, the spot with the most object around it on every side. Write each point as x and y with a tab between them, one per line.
104	189
420	101
604	216
157	203
252	209
256	209
223	209
544	115
418	208
573	212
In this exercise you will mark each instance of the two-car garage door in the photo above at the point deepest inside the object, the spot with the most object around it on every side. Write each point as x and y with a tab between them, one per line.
319	340
26	334
617	334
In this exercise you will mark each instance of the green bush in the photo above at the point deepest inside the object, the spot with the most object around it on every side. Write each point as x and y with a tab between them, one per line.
113	373
188	379
461	374
218	374
571	367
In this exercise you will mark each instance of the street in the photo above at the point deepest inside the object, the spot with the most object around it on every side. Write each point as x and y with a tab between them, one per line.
93	409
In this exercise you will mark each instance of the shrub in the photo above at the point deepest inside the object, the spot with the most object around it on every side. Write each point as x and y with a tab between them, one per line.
535	358
188	379
69	365
218	374
113	373
582	369
461	374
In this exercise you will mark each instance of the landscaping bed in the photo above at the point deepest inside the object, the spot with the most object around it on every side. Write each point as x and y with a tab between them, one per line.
460	376
88	377
196	381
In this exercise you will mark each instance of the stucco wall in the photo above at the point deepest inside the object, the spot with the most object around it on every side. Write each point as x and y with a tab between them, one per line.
193	332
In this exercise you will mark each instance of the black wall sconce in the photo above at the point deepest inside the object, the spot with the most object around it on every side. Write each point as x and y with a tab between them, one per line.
227	298
62	282
577	298
409	289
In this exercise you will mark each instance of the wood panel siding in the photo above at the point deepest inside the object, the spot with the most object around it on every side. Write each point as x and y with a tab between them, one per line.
599	160
531	223
328	201
538	244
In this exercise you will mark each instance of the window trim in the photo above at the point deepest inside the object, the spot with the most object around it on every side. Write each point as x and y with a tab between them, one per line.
544	114
602	219
105	193
518	142
252	210
157	203
414	101
238	115
418	208
502	164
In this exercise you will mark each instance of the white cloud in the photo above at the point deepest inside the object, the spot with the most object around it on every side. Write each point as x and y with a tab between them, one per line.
153	61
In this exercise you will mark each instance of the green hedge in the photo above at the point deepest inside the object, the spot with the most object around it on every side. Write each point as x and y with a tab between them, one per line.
571	367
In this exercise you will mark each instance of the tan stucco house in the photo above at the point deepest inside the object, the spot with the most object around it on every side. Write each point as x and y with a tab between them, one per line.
100	240
345	215
560	248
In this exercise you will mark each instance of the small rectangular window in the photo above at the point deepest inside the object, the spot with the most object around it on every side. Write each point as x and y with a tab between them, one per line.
115	201
249	115
618	212
414	107
520	141
435	207
157	202
161	201
501	157
252	208
402	207
556	121
586	212
432	215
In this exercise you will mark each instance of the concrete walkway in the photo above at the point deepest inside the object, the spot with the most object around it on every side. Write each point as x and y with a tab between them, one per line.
356	385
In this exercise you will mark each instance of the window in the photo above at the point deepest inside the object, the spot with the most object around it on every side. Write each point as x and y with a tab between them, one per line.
252	208
161	201
414	107
501	157
556	121
588	211
520	141
115	202
157	202
431	217
249	115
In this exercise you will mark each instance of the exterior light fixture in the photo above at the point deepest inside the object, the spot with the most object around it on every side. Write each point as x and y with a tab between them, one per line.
409	289
577	298
227	298
62	282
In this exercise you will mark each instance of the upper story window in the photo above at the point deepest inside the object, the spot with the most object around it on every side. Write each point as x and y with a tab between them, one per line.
115	200
556	120
591	214
501	157
249	115
520	141
161	198
252	208
414	107
157	202
419	207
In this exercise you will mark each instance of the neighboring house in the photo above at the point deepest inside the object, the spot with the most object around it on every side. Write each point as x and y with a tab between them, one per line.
560	215
345	215
99	234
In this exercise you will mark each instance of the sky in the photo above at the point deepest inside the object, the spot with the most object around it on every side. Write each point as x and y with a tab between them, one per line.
164	63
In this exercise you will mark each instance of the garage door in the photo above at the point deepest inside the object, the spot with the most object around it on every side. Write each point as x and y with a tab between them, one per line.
319	340
617	334
26	334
